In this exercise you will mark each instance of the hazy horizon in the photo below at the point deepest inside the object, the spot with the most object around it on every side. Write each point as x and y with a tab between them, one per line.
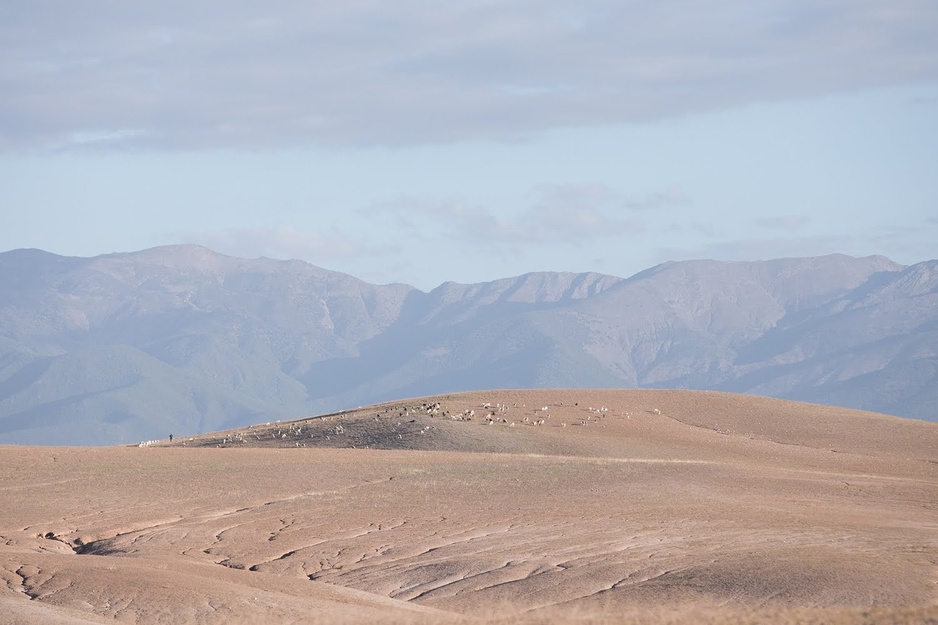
422	144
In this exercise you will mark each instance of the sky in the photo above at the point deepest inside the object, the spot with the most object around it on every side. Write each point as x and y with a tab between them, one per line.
423	142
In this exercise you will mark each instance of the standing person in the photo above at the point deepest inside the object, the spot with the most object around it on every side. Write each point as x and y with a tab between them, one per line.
170	438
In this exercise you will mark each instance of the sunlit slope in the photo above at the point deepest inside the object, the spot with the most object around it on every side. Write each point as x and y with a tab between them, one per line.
622	506
624	423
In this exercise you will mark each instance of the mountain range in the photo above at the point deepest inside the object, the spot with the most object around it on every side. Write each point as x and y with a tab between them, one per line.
133	346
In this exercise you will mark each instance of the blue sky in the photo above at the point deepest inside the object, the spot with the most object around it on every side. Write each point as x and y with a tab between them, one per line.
421	142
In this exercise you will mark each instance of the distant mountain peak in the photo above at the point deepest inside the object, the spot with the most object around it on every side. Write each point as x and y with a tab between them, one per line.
180	338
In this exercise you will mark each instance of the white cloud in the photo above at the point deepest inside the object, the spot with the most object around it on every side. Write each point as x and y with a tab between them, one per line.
292	73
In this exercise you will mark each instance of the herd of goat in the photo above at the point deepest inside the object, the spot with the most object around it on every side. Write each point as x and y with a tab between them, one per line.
338	423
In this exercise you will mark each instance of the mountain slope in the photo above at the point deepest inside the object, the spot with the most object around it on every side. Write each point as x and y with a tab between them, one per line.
128	347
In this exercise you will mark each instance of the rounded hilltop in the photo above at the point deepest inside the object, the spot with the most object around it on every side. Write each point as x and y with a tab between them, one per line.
502	506
596	422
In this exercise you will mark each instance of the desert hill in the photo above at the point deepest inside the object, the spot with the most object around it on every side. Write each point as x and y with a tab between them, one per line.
128	347
635	506
584	422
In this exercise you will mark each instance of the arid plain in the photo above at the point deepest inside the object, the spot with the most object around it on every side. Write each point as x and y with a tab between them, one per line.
536	506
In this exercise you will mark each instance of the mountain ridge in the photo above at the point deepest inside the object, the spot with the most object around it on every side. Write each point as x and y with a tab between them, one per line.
133	345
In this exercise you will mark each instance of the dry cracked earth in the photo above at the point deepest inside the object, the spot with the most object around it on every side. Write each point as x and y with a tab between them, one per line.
536	506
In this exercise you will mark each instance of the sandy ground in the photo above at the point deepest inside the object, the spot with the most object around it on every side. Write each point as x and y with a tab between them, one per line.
501	506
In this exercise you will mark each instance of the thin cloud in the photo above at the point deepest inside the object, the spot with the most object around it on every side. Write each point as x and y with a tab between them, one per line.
790	223
760	248
290	73
707	230
280	243
422	218
576	212
905	243
669	198
559	214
